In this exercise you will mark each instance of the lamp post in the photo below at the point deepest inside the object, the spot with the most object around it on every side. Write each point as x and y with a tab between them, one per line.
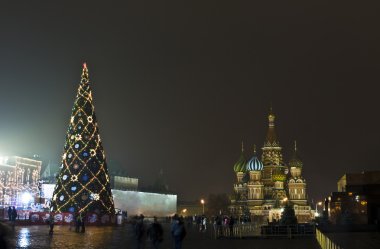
203	206
316	207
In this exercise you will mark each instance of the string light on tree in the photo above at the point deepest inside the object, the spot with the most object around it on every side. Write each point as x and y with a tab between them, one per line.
83	183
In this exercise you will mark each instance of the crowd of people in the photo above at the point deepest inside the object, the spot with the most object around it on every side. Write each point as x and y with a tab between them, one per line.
155	232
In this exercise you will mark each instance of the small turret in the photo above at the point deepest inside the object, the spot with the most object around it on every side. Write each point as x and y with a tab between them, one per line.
295	163
240	167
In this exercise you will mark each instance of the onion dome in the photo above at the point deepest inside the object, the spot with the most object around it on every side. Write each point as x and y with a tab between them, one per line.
278	175
241	164
254	164
295	161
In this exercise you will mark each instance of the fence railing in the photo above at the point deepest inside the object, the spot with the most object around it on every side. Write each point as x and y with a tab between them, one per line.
237	231
257	230
325	242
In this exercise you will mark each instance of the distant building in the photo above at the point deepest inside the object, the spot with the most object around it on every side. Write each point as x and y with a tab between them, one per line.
265	186
357	200
124	183
19	180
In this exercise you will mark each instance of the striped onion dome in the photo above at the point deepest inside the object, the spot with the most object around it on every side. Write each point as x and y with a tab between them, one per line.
254	164
241	164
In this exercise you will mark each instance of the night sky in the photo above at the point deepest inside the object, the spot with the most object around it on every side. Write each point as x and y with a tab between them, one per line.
178	85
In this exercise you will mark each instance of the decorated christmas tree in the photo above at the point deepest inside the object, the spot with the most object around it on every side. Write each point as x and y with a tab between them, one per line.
83	184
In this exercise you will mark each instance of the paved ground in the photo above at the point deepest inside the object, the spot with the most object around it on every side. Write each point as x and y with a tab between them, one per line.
352	240
122	237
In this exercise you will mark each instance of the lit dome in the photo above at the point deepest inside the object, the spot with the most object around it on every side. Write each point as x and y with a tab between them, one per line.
254	164
240	165
278	175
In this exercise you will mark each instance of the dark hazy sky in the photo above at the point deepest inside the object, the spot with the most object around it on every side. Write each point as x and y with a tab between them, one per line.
178	84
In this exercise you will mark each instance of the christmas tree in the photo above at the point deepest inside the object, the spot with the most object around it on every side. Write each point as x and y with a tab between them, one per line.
83	184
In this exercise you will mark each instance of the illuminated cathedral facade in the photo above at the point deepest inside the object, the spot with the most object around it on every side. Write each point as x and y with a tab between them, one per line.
264	187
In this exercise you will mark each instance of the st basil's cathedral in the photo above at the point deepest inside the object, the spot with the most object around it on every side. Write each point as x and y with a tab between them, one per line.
264	187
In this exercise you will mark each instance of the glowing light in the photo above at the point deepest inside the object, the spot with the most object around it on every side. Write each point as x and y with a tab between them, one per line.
363	203
26	198
3	159
202	201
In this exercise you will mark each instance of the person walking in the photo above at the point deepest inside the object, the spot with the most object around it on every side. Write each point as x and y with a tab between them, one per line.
51	223
231	225
178	233
13	217
82	221
10	213
155	233
140	232
14	214
204	224
77	222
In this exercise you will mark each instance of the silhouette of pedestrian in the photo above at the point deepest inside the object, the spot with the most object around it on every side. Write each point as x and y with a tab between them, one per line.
83	218
14	213
140	232
178	232
155	233
10	213
77	222
51	224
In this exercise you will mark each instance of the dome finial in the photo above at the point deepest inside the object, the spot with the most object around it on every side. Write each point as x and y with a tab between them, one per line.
254	148
295	145
271	108
271	116
242	146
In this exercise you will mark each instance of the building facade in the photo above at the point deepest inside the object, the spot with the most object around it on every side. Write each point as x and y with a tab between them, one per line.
19	180
357	200
263	187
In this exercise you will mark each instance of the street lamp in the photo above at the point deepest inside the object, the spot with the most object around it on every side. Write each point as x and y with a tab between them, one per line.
316	207
184	211
203	206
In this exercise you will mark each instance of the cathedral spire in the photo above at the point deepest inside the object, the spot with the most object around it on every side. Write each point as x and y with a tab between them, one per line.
272	155
271	138
295	161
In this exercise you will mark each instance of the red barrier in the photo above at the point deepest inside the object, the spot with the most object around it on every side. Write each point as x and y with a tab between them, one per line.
40	218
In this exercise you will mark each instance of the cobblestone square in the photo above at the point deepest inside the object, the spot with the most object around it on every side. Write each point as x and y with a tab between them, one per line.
122	237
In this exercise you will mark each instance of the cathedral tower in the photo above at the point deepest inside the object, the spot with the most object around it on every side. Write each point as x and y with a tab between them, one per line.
296	183
255	185
272	155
